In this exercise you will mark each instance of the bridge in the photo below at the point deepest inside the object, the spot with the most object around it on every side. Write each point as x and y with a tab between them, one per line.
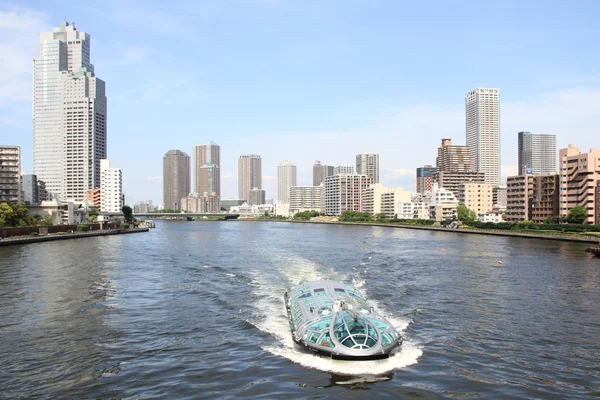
173	215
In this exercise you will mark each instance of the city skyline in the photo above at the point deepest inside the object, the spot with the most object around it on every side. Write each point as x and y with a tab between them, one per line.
383	114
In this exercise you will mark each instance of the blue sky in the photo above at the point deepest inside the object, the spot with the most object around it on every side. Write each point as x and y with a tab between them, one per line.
313	80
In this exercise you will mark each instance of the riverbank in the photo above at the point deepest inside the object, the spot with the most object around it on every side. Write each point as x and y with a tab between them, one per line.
569	237
66	235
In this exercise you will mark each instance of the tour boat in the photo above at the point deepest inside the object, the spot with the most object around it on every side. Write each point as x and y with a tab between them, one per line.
333	319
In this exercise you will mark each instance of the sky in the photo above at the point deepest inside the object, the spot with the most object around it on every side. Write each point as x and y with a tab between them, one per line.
308	80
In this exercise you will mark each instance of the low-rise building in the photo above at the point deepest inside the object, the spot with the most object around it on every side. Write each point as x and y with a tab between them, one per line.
499	197
477	197
228	203
252	210
205	203
66	213
379	199
443	204
492	216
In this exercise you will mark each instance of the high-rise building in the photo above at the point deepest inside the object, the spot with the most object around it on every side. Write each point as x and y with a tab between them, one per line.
176	178
368	164
286	178
111	188
207	162
306	198
10	174
425	178
69	114
344	192
537	153
343	170
579	177
532	197
257	196
453	158
29	189
483	132
320	172
249	175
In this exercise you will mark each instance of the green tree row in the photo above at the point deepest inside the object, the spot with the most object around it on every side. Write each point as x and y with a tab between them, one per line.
14	215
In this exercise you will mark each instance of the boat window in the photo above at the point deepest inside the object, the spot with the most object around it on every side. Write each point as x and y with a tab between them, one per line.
354	331
386	340
339	291
314	337
303	295
354	294
380	324
325	340
319	292
320	325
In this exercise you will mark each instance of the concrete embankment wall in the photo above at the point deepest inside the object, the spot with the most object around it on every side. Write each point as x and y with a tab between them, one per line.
558	236
36	239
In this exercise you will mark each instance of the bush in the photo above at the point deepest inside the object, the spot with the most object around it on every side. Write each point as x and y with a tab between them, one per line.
83	228
124	225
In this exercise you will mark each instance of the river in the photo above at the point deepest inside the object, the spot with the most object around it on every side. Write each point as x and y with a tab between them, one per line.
195	310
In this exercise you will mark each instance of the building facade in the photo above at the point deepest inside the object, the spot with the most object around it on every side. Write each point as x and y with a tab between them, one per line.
536	153
29	189
379	199
368	164
499	197
443	204
111	188
257	196
249	175
94	197
476	197
345	193
320	172
69	114
425	178
306	198
579	176
143	207
453	158
532	197
10	174
176	178
453	180
207	171
343	170
286	178
204	203
482	106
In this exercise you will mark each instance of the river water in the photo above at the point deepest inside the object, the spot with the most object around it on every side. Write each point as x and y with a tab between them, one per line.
195	310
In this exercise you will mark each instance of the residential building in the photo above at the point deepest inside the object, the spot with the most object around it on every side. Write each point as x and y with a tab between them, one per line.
379	199
62	213
207	172
176	178
537	153
306	198
320	172
453	180
499	197
286	178
532	197
345	193
597	212
143	207
494	217
343	170
518	189
201	203
482	109
443	204
247	210
257	196
43	194
425	178
413	210
111	188
368	164
29	189
579	176
69	114
453	158
94	196
476	197
228	203
10	174
249	175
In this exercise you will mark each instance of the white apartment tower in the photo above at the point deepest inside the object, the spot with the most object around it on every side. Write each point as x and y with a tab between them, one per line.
368	164
69	114
111	188
482	107
286	178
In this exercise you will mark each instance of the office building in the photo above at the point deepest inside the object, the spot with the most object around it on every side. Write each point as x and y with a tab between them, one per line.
425	178
29	189
537	153
343	170
257	196
579	176
368	164
228	203
306	198
10	174
320	172
286	178
69	114
344	192
477	197
482	107
249	175
176	178
207	171
111	188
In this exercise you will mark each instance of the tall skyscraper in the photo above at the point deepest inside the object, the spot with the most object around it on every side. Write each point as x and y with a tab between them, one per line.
207	161
368	164
320	172
111	188
482	107
425	178
537	152
286	178
249	175
176	178
69	114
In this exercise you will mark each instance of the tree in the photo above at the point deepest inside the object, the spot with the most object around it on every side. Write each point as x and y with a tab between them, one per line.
465	215
93	215
14	214
127	213
577	215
